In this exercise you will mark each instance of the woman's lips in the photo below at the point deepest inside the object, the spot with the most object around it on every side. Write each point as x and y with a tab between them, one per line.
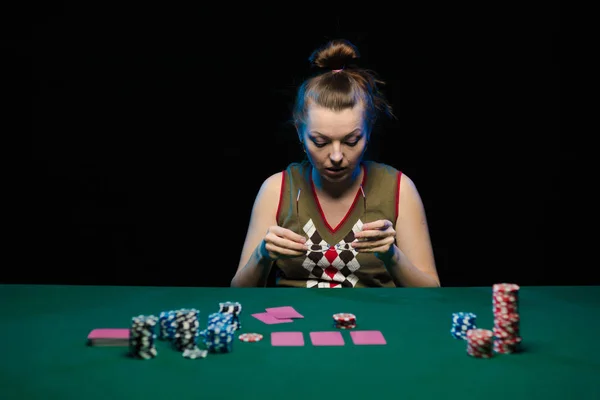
335	171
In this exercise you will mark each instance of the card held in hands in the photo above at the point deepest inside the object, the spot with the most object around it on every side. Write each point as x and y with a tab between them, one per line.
287	339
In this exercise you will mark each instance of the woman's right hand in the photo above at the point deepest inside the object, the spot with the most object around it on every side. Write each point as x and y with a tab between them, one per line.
281	242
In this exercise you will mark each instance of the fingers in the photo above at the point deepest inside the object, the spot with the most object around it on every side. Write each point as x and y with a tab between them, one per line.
372	233
278	250
374	246
381	224
287	234
287	244
282	242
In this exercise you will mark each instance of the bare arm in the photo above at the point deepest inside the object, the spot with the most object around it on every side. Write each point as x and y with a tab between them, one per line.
405	248
411	263
254	266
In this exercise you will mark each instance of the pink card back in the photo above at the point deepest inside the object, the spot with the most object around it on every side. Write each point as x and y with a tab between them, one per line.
287	339
367	337
284	312
332	338
270	319
109	333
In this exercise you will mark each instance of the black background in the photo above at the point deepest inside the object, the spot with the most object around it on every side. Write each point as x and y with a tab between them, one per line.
154	127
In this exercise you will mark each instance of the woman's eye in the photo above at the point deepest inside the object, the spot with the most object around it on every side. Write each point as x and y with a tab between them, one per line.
323	144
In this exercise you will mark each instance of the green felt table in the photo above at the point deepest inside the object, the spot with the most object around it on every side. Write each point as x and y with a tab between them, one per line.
44	353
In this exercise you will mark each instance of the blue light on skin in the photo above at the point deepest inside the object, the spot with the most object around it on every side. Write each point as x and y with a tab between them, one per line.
335	139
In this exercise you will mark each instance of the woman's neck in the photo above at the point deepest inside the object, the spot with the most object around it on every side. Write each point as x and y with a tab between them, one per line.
336	190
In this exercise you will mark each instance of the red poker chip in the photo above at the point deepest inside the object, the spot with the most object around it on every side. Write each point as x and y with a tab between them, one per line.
505	302
506	348
480	352
346	326
505	334
479	333
351	322
511	300
344	317
510	341
506	326
250	337
499	310
508	317
505	288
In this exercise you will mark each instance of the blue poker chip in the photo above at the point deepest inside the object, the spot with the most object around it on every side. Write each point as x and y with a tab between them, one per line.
461	323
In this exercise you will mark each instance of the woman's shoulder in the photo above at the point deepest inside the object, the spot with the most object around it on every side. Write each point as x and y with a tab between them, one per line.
376	167
384	172
297	167
275	181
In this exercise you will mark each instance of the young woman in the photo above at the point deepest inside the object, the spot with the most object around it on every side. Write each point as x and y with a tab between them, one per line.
337	220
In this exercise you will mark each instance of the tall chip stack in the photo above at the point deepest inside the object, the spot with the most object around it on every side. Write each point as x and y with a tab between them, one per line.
462	322
219	333
507	333
233	308
186	325
141	337
166	326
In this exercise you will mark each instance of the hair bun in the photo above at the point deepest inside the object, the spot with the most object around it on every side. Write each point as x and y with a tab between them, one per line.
336	54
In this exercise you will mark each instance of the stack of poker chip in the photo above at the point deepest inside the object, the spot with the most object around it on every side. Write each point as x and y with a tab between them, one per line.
233	308
462	322
219	333
186	326
166	325
344	321
507	334
141	337
480	343
220	318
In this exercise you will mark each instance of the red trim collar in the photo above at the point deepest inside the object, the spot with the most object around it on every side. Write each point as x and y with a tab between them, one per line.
358	194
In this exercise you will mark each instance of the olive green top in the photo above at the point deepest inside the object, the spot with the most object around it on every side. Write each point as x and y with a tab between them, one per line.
330	261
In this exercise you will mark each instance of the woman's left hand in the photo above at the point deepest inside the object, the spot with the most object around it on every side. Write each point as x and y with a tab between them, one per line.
376	237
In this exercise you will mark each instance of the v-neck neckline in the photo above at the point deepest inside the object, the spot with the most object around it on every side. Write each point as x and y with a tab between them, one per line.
359	192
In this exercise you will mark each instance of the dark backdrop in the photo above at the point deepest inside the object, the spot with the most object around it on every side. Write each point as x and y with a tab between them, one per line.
153	130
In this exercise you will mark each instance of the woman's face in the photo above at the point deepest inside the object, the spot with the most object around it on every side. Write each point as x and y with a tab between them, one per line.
335	141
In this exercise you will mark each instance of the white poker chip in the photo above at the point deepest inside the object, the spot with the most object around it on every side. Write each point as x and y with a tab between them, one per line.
195	353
